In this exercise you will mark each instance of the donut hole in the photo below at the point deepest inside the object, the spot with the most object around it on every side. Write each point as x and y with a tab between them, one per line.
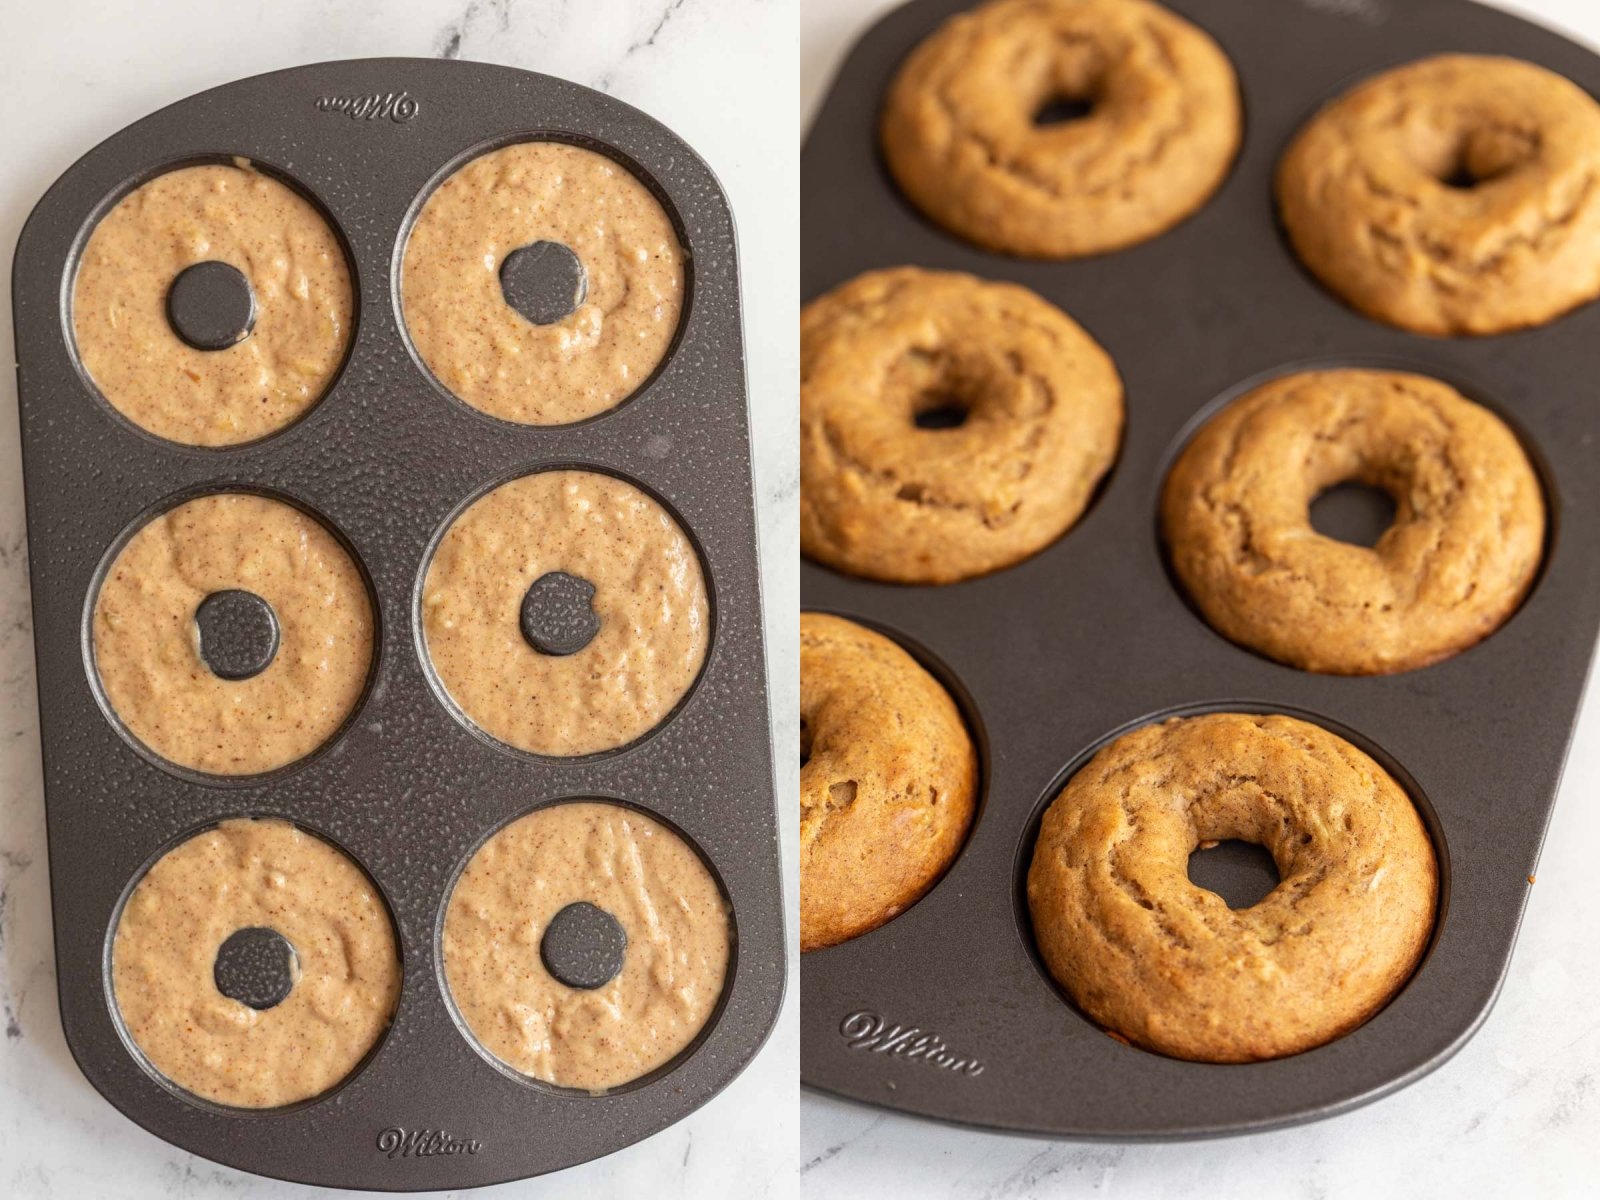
1063	110
1481	156
1354	512
941	412
1066	85
940	388
1242	873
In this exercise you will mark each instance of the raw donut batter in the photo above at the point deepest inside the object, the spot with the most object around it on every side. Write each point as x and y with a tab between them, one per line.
650	596
147	645
296	269
245	874
485	351
655	886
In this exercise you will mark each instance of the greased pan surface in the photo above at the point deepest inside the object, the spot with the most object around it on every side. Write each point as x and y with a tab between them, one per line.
386	457
946	1011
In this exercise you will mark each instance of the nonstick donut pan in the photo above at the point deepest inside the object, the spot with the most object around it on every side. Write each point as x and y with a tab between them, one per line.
946	1011
406	789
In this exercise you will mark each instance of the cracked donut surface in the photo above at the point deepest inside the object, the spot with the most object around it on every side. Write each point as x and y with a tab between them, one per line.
1162	125
888	780
1167	964
1454	195
1040	418
1464	548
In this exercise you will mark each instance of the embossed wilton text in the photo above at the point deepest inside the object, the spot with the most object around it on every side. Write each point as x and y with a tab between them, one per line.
423	1143
868	1031
399	107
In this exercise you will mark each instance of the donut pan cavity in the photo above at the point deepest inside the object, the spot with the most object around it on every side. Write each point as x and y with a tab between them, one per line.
946	1011
406	789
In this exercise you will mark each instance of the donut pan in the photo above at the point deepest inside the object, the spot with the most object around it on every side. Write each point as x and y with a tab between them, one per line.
385	459
946	1011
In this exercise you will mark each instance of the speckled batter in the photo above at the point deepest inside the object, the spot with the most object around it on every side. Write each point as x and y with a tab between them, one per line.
243	874
295	266
486	352
147	645
658	890
650	596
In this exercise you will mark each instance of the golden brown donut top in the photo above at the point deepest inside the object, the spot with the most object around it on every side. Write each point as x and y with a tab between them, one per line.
1453	195
884	498
960	135
1167	964
1464	548
888	780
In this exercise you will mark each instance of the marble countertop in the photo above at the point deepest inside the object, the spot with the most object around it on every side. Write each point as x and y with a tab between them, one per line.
1517	1112
81	70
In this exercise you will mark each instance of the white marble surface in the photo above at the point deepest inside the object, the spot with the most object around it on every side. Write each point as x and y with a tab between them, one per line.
723	74
1516	1113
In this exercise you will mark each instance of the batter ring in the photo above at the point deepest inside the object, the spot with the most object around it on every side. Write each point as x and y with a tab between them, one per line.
1040	418
1453	195
1464	548
255	874
1168	965
888	780
963	139
296	269
147	645
649	593
652	883
485	351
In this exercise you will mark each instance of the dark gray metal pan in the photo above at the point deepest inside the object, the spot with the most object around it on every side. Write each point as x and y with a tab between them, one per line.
946	1012
406	789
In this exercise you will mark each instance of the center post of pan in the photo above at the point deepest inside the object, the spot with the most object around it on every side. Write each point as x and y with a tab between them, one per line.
544	281
558	614
583	946
256	966
238	633
211	305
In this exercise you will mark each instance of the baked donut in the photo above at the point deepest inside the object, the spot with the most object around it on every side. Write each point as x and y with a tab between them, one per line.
1464	548
888	780
1168	965
968	135
888	363
298	278
343	965
1453	195
648	884
152	662
575	211
651	613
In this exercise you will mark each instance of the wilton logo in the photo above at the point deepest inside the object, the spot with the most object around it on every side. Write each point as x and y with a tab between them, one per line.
399	107
423	1143
868	1031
